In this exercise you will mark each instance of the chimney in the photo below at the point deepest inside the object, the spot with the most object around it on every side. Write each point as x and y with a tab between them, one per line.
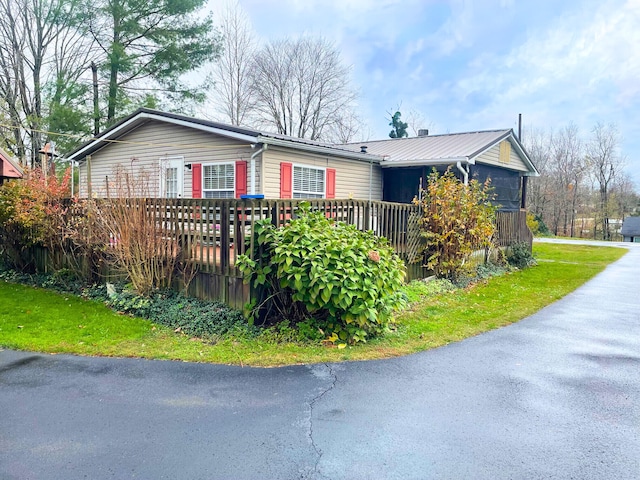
423	132
363	149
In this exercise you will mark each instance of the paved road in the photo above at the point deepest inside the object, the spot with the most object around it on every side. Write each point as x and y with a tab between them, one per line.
556	396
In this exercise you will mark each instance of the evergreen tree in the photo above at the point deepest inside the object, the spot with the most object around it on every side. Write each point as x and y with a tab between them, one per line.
148	45
399	128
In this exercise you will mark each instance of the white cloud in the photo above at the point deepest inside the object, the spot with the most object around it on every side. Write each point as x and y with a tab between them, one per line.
579	59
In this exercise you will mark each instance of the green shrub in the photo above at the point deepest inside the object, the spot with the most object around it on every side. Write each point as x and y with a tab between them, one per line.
519	255
343	282
536	225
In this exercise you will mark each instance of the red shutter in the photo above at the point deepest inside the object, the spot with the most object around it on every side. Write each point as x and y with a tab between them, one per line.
196	180
286	180
241	178
331	183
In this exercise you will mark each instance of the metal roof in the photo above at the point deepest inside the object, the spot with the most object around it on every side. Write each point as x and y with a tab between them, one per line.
631	227
433	147
438	149
251	136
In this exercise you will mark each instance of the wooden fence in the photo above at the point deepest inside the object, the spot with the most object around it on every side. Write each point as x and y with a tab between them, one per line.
212	233
512	228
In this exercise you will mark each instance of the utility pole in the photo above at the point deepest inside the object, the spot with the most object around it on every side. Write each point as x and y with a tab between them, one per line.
96	106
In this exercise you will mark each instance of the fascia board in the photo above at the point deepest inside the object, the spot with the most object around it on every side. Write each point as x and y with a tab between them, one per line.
491	145
532	172
427	162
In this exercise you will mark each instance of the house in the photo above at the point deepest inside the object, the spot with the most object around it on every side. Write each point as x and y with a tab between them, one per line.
9	168
631	229
179	156
495	154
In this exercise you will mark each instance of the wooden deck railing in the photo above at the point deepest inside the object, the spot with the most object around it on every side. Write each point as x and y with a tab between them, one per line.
212	233
216	232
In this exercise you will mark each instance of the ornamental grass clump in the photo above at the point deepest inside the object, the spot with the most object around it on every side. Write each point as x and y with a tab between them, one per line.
345	282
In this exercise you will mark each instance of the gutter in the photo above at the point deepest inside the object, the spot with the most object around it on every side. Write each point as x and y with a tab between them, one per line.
320	149
431	161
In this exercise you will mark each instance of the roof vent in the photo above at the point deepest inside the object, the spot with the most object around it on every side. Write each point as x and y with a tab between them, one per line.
423	132
363	149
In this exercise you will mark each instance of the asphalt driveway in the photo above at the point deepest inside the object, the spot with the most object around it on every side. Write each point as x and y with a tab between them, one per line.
555	396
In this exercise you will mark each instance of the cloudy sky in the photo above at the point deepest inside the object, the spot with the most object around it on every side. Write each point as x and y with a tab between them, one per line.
476	64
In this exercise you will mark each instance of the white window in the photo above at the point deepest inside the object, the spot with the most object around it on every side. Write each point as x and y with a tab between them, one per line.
171	177
308	182
218	180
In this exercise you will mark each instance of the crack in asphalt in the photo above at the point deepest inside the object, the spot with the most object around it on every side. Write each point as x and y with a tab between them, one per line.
311	407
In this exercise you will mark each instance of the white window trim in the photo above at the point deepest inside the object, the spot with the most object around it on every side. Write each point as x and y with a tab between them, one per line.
302	165
175	161
233	169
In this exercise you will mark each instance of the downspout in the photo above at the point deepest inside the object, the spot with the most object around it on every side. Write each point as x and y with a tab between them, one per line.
370	178
253	166
465	173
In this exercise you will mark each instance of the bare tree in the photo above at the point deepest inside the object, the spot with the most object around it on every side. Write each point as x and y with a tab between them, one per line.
605	164
537	143
346	128
626	199
417	121
567	171
232	95
12	47
301	87
36	37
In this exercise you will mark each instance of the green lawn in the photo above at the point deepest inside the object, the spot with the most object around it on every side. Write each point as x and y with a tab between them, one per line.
38	320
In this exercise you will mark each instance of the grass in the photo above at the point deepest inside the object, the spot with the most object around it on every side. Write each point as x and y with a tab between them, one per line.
39	320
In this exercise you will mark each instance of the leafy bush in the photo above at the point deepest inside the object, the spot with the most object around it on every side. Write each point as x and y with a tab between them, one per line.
457	219
31	211
519	255
185	314
344	282
537	225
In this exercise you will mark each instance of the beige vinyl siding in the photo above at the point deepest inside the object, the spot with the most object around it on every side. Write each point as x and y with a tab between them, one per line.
352	176
147	144
492	157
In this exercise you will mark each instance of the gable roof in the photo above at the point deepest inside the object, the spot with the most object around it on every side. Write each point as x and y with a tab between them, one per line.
9	167
631	227
251	136
443	149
